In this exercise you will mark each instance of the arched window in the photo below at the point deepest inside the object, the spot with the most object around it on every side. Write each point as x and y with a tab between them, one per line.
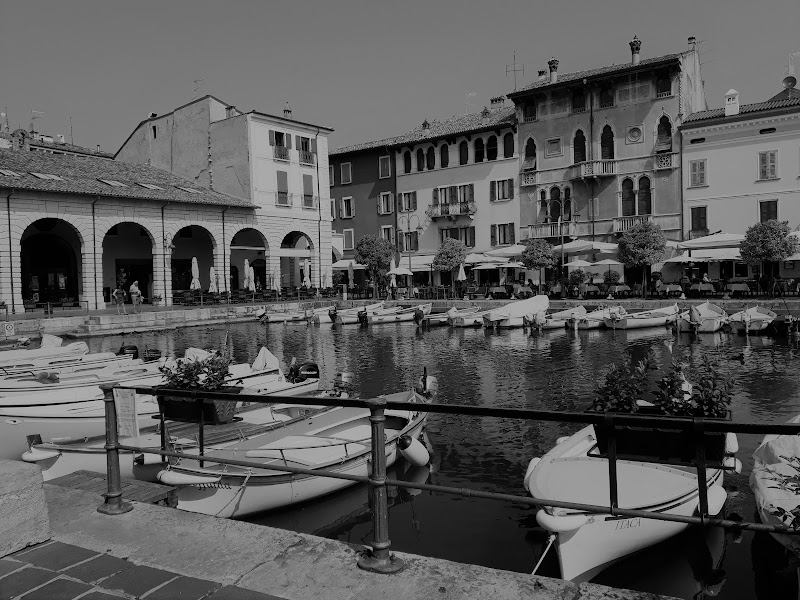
628	198
579	147
568	204
508	145
463	153
607	143
663	85
420	160
407	162
444	156
543	205
479	150
555	204
491	148
578	101
645	197
664	136
530	152
431	158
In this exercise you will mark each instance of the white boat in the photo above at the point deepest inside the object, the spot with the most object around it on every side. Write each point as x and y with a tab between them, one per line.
331	312
26	383
12	358
587	543
594	319
702	318
554	320
443	318
335	439
751	320
359	316
67	364
399	315
656	317
513	314
469	320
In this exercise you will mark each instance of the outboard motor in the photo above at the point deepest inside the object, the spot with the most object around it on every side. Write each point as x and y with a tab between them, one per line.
332	312
308	371
362	317
419	316
151	354
343	384
128	350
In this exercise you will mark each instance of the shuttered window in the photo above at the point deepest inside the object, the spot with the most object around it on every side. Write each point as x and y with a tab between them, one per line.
501	190
308	191
768	164
697	173
444	156
768	210
283	188
463	153
347	173
699	218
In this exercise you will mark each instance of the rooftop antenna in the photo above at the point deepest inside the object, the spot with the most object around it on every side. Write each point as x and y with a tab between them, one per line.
467	103
35	114
71	139
515	68
4	115
790	80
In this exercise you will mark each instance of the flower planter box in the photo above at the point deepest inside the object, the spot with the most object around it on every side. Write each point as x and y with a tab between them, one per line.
188	410
649	443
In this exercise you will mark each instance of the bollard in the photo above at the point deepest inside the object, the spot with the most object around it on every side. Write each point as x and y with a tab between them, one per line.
113	505
379	559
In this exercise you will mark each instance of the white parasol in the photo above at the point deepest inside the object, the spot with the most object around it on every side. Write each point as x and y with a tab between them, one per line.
195	285
579	264
607	262
307	273
212	287
251	280
246	275
393	281
350	274
462	276
276	284
507	251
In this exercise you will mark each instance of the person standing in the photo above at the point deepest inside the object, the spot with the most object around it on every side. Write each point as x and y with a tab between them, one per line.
119	299
136	297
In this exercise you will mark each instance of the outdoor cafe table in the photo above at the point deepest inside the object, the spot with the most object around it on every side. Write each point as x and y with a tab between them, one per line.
591	289
499	292
524	291
671	288
702	288
618	289
738	287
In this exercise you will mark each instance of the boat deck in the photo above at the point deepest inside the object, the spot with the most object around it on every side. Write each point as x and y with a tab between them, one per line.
132	489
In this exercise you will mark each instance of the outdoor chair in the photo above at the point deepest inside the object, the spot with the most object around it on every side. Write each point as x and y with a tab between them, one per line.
188	298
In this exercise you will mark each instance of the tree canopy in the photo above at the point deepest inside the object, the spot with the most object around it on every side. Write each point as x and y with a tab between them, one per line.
538	254
376	254
767	242
643	244
451	253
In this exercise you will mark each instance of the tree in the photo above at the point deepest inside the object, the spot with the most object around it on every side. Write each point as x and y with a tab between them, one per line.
538	254
376	254
767	242
450	255
641	246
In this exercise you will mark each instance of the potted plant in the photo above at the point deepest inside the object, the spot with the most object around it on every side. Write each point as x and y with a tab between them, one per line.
205	375
155	299
705	394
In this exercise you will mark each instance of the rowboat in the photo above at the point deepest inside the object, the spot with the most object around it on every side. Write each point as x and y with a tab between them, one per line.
67	364
513	314
469	320
337	439
587	543
13	358
554	320
443	318
329	315
656	317
751	320
360	315
401	314
594	319
26	383
703	318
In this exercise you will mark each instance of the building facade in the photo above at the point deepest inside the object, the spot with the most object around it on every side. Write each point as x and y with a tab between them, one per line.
599	149
278	164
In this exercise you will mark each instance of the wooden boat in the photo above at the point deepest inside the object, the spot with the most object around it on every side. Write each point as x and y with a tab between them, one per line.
702	318
656	317
336	438
588	543
469	320
329	316
67	364
594	319
399	315
554	320
13	358
443	318
294	316
359	316
751	320
26	383
513	314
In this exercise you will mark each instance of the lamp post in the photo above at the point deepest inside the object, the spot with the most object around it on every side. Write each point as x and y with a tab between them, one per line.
408	219
561	204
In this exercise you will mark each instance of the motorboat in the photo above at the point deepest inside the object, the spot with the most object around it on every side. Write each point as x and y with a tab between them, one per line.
12	358
553	320
751	320
513	314
359	316
68	364
656	317
702	318
443	318
329	315
26	383
587	543
337	439
594	319
469	320
399	315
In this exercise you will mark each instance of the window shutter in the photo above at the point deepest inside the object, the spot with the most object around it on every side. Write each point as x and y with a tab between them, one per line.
288	139
415	240
271	137
772	171
308	185
493	234
511	233
413	200
701	172
511	188
453	192
435	196
283	181
380	211
492	191
472	192
391	202
693	172
297	142
471	236
314	145
341	209
401	243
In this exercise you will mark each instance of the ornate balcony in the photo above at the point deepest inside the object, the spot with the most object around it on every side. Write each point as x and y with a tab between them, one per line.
528	178
552	230
623	224
598	168
438	211
663	161
281	152
307	158
310	201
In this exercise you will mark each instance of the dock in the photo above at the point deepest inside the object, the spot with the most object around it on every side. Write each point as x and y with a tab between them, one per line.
132	489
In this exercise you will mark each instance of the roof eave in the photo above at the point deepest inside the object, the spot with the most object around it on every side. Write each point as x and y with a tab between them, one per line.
748	116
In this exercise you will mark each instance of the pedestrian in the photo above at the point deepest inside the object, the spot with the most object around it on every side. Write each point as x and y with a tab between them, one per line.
119	298
136	297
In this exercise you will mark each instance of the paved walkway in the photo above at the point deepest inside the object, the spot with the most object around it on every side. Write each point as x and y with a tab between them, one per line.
59	571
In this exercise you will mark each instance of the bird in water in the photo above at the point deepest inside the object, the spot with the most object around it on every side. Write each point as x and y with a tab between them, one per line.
740	357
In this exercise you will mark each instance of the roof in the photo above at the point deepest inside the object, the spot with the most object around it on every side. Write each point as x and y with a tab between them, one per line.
365	146
600	72
80	176
719	113
459	125
785	94
71	148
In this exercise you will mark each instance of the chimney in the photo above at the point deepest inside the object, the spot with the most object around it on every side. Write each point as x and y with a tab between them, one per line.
636	46
287	111
98	147
553	65
542	75
60	138
692	43
497	103
731	103
485	114
426	127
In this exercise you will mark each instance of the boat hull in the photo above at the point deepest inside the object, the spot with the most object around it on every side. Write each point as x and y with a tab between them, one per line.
399	315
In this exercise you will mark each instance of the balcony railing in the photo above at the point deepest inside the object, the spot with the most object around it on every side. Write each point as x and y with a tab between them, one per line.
697	233
310	201
552	230
307	158
436	211
663	161
281	152
663	94
599	168
529	178
622	224
283	199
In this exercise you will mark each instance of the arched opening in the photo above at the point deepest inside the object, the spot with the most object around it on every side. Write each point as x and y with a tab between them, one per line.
491	148
191	242
463	153
607	143
543	212
444	156
567	204
407	162
296	249
127	257
628	198
430	158
645	198
420	160
250	245
664	135
50	251
530	153
555	204
579	147
479	147
508	145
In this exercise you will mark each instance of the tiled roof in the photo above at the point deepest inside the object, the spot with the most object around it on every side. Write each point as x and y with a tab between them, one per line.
71	148
785	94
602	71
716	113
361	147
459	125
80	176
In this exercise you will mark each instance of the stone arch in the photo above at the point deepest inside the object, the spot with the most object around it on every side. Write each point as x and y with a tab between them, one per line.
188	242
297	247
128	249
247	242
607	143
662	133
579	146
52	253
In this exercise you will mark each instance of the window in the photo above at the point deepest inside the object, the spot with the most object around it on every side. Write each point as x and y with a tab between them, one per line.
282	196
697	173
303	144
444	156
479	148
554	213
409	241
645	200
530	151
308	191
628	198
430	158
348	239
664	135
529	112
407	162
463	153
306	149
607	144
508	145
502	234
279	139
408	201
346	173
466	192
385	206
768	165
699	218
768	210
567	204
347	208
606	97
112	182
464	234
553	147
501	190
420	160
150	186
155	131
663	85
579	147
387	233
333	209
384	167
491	148
331	171
578	101
766	131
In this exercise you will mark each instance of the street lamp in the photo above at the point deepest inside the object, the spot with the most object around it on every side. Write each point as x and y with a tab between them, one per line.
408	219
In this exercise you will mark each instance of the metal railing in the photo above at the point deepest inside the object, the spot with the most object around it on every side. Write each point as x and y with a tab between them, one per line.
306	157
281	152
378	558
450	210
283	199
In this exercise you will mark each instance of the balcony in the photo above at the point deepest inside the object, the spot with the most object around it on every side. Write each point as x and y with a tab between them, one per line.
307	158
623	224
438	211
281	152
552	230
310	201
598	168
283	199
528	178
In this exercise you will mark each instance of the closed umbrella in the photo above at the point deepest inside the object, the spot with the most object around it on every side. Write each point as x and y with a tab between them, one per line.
276	284
350	275
212	286
462	276
195	285
246	275
393	282
251	280
307	272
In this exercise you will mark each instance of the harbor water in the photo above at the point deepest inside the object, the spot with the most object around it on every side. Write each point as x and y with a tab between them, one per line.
555	370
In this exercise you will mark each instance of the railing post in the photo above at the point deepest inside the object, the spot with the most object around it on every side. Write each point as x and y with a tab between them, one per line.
379	559
612	463
113	505
700	462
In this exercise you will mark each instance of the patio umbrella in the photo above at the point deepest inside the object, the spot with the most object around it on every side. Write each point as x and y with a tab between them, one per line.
584	246
393	281
579	264
508	251
608	262
325	280
478	258
195	285
307	275
212	287
246	273
717	240
462	276
276	283
685	258
251	280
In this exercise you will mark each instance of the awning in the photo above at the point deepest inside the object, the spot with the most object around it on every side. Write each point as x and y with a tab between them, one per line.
419	262
477	258
584	246
717	254
717	240
488	266
344	264
507	251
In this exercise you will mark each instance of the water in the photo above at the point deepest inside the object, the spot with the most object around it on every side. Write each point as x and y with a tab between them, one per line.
556	370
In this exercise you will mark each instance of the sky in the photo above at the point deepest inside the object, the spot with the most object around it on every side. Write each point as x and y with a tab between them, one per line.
368	69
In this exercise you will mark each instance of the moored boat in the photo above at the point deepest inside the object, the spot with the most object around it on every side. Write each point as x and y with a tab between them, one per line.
656	317
554	320
469	320
11	358
443	318
399	315
752	320
702	318
359	316
329	316
594	319
513	314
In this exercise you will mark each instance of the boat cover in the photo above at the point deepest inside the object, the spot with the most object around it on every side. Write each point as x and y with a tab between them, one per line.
50	341
521	308
265	361
774	481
